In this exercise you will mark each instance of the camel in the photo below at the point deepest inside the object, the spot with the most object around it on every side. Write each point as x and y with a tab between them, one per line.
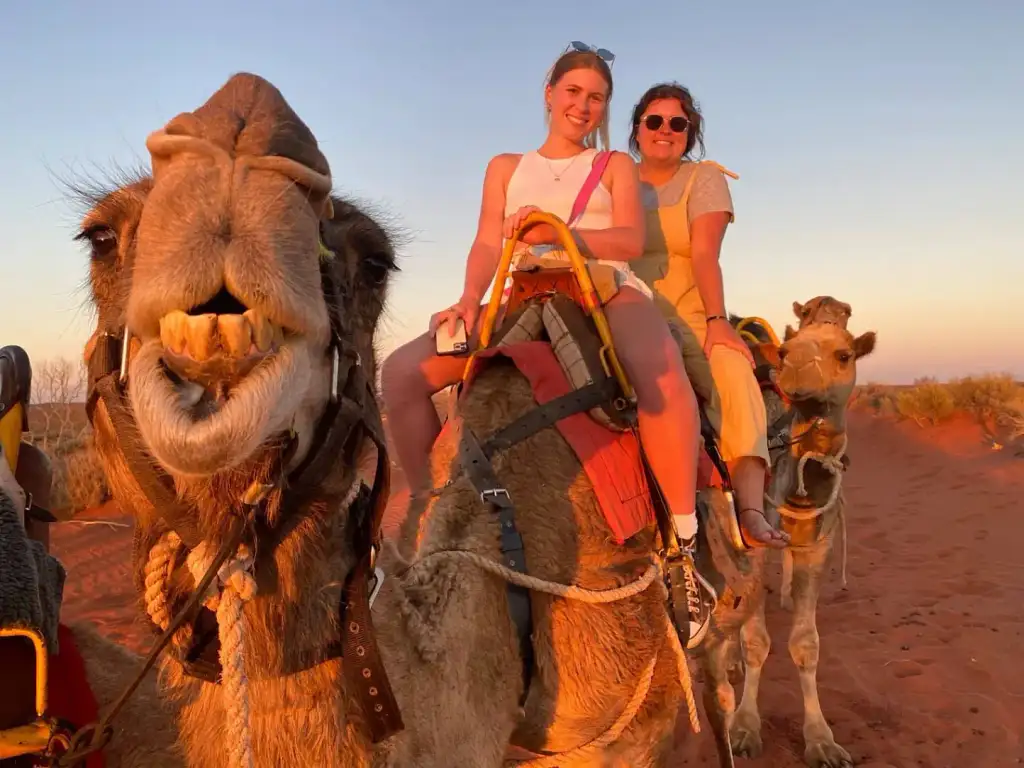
237	300
816	373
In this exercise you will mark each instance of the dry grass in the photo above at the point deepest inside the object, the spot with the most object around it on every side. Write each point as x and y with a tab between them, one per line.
63	433
59	427
997	400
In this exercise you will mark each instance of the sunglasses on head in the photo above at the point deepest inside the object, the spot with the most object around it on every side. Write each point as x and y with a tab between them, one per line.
677	124
603	53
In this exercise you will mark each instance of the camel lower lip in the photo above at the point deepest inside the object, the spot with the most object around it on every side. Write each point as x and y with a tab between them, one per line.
218	371
188	441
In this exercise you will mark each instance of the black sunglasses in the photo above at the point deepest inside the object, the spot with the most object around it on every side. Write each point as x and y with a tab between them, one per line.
678	124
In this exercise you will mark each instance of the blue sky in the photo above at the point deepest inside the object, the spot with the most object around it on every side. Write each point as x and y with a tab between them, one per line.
878	143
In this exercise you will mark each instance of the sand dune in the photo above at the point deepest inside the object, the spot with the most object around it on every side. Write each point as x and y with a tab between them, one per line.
920	661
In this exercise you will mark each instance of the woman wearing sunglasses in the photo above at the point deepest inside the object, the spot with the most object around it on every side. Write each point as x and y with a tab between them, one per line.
688	207
610	230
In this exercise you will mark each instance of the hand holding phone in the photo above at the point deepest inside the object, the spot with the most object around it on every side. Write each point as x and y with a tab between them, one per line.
450	338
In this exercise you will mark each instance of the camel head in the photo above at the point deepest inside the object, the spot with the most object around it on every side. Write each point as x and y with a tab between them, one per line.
216	265
822	309
818	364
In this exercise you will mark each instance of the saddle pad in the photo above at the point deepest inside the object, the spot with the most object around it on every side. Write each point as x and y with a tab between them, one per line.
70	696
611	459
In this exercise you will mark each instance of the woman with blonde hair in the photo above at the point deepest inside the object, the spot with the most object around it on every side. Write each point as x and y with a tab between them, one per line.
610	230
688	207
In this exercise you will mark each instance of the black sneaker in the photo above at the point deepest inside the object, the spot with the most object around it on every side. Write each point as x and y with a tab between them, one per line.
688	588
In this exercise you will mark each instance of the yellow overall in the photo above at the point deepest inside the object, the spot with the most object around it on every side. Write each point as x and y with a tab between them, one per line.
726	382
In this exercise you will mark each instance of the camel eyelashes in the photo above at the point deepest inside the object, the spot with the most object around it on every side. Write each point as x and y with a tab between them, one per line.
844	356
102	240
378	267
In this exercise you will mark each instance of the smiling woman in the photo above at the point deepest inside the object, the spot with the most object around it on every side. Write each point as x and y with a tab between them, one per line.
688	207
608	226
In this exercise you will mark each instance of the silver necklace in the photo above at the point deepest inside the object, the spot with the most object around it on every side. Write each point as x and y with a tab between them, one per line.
558	176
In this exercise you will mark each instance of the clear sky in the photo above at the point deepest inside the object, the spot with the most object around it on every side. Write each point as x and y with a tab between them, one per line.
879	143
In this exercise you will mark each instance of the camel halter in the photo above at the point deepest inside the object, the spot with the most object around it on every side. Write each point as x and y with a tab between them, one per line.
352	415
796	507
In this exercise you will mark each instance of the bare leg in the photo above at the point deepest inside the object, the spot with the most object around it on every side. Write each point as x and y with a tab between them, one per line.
748	473
668	418
820	748
410	376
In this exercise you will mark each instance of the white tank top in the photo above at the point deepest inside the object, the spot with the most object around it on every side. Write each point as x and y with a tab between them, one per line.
553	185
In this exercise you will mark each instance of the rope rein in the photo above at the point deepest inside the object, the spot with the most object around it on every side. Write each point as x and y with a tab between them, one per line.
595	596
233	585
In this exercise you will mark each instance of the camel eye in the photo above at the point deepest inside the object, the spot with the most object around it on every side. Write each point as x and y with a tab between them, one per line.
101	238
378	266
844	356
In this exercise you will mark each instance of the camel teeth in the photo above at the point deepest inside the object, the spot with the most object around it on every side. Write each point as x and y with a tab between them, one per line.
201	334
235	335
262	330
172	331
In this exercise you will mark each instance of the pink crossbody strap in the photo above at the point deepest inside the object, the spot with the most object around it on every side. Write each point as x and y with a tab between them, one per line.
589	185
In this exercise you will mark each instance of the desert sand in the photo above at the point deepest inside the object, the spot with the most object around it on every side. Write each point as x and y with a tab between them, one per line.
920	659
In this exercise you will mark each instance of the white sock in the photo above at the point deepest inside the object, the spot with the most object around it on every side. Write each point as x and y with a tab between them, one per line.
686	526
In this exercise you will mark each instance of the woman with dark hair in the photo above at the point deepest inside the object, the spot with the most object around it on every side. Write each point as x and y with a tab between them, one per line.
688	207
610	231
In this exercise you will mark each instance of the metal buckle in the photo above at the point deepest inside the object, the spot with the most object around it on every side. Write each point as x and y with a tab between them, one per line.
494	493
378	578
335	369
126	344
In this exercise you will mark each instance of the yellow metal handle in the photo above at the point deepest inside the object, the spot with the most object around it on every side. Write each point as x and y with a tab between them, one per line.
764	323
10	434
591	302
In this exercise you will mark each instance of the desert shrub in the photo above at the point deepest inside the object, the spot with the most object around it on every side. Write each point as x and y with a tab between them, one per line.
986	396
84	481
927	402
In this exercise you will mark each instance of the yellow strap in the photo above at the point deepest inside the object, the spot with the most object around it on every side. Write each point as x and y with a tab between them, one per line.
685	199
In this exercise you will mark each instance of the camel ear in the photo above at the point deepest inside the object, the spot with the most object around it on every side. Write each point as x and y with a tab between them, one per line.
798	309
864	344
770	353
789	333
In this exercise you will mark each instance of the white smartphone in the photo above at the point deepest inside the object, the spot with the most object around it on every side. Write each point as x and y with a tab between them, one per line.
451	341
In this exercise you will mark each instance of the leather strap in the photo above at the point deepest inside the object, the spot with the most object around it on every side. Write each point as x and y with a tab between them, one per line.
551	412
156	485
481	474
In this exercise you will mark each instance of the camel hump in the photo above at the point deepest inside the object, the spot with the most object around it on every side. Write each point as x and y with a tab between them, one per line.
249	116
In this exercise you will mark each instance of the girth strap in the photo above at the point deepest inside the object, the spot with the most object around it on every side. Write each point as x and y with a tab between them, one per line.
478	469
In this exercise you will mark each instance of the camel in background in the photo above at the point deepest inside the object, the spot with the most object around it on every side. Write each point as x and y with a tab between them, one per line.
815	374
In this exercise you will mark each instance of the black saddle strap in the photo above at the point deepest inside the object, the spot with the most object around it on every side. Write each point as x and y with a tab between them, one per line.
481	474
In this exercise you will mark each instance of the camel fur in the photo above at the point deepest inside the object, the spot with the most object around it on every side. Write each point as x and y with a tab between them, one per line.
816	371
228	225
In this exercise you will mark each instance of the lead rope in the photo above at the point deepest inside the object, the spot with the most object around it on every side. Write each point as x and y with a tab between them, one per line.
233	587
832	463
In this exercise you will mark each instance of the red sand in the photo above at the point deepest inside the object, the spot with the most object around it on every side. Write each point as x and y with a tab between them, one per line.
920	656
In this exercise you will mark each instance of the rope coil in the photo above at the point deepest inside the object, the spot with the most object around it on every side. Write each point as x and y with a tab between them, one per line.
232	587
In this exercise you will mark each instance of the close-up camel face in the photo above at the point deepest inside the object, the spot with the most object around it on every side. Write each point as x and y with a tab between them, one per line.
819	363
214	265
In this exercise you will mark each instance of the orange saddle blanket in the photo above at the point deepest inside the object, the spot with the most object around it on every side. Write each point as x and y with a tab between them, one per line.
610	459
